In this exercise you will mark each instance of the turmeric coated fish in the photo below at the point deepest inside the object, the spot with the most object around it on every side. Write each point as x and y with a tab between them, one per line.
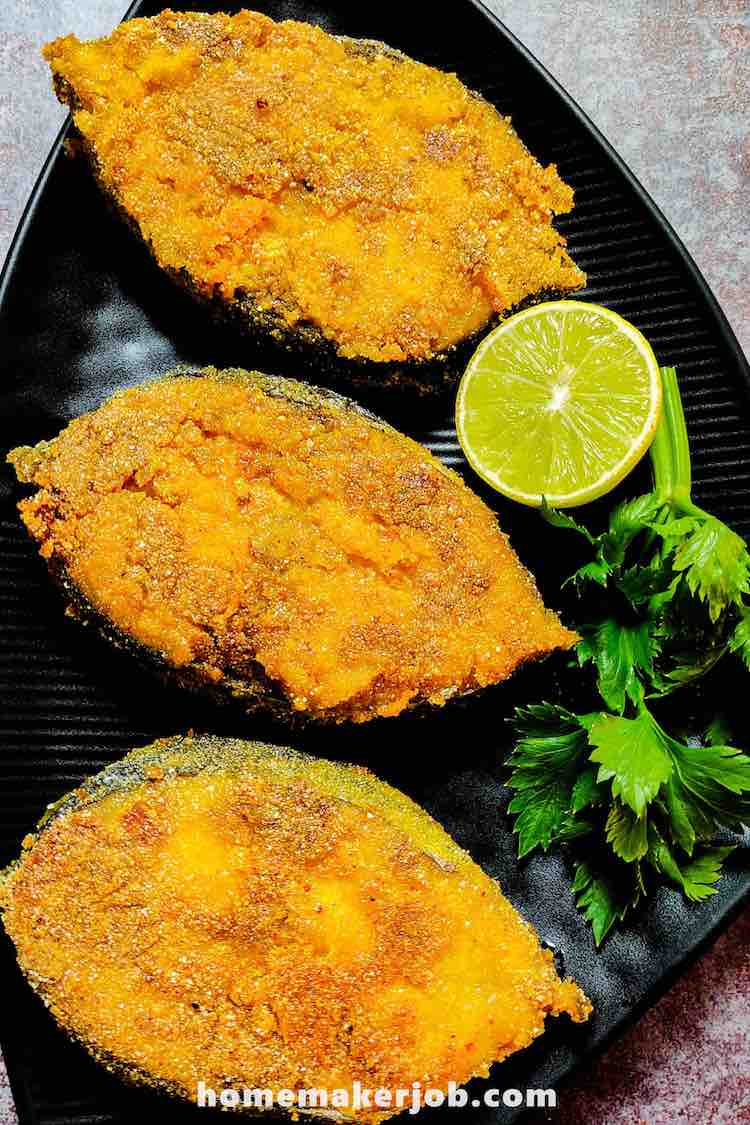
331	192
264	538
222	912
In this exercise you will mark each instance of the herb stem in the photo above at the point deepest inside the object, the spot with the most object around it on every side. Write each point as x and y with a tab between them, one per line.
670	452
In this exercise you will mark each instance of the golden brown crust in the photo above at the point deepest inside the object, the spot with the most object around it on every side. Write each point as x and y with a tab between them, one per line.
227	912
316	182
235	530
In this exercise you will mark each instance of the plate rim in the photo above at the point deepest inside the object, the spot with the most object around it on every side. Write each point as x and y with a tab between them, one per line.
29	210
741	900
726	332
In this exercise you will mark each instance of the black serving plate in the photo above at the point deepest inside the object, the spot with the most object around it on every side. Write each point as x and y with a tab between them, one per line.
82	312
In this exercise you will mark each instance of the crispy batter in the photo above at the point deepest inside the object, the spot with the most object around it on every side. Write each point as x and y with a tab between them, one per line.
342	186
277	922
230	521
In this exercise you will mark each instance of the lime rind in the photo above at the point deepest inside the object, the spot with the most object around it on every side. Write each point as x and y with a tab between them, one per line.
559	402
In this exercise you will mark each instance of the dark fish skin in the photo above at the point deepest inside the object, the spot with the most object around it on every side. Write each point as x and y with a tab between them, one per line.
248	684
77	880
304	344
187	755
260	693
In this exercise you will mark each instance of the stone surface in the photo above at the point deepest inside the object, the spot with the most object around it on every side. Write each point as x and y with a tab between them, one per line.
667	82
686	1062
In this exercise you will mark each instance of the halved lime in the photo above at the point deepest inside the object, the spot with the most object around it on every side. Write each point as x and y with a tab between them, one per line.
560	401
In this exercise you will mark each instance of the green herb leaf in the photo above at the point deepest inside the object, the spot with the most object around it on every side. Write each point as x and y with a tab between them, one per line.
623	655
540	814
545	720
703	872
716	565
628	520
544	768
595	571
573	828
605	893
683	668
586	790
675	528
633	755
677	586
740	641
626	833
598	569
681	818
698	877
713	785
641	584
561	519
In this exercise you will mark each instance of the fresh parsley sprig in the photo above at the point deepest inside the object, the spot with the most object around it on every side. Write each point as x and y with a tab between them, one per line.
675	576
639	804
667	591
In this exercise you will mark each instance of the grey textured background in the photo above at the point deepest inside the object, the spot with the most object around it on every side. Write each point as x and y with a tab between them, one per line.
667	81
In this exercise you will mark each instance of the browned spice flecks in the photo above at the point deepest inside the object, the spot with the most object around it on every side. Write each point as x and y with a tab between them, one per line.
340	186
267	920
234	523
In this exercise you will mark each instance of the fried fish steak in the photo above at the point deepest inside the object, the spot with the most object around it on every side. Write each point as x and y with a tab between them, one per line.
332	192
263	537
230	912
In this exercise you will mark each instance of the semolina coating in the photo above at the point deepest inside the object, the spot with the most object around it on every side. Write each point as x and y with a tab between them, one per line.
229	912
334	184
247	529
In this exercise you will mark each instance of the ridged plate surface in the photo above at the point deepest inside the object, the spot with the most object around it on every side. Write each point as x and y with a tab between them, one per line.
83	312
